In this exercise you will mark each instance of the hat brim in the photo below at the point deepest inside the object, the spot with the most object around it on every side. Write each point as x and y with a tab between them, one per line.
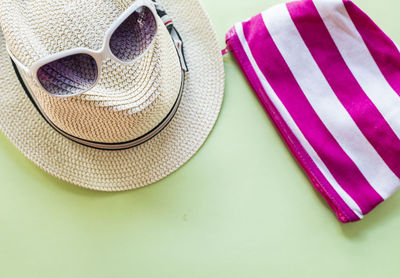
141	165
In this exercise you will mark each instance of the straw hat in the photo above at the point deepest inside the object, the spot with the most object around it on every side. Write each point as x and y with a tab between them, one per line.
128	102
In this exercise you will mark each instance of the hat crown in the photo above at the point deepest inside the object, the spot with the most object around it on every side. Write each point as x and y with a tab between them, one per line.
128	101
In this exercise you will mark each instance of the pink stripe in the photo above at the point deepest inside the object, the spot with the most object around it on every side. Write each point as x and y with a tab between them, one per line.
342	211
278	74
382	48
363	111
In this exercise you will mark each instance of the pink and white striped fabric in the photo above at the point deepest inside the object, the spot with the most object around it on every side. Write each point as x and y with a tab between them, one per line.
330	80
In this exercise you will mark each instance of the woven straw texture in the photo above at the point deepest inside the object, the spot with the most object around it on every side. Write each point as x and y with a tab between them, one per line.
128	101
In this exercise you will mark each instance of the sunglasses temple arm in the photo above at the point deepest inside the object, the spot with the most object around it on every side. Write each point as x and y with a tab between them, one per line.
179	46
176	38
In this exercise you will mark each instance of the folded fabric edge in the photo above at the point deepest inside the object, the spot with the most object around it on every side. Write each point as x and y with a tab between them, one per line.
319	182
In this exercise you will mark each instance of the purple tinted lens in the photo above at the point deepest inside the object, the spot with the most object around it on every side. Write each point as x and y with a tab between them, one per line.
134	35
69	75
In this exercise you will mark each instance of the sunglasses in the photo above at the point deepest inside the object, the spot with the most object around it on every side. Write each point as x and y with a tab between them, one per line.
76	71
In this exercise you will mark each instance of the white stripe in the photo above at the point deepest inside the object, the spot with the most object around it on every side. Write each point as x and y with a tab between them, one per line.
360	61
325	103
295	129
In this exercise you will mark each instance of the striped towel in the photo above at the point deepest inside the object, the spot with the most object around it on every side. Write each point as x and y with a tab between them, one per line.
330	80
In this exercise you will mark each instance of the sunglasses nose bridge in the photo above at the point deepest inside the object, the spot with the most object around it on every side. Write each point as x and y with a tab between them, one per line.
105	53
100	54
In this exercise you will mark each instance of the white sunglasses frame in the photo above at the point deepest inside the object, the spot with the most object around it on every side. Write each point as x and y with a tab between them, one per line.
98	55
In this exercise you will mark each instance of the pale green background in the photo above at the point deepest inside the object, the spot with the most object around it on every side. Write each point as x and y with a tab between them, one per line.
240	208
